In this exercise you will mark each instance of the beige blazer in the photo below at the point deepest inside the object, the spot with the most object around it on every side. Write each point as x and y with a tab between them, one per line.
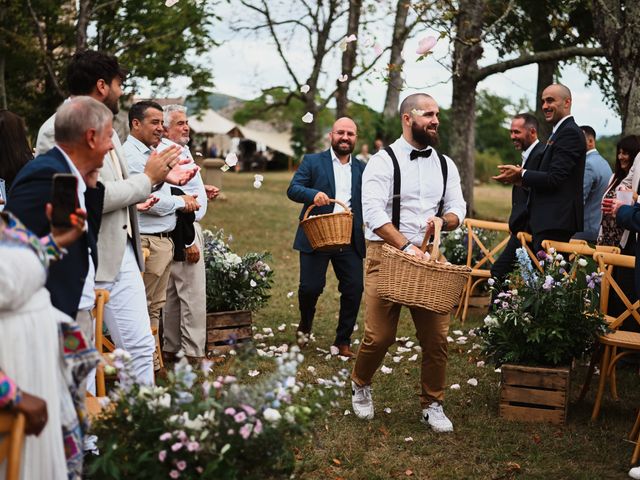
120	199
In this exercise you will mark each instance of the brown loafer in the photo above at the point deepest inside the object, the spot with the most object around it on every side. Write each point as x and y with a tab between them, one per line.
345	351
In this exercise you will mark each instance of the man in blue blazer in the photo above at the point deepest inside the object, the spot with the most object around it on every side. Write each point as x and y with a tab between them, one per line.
83	129
627	216
334	173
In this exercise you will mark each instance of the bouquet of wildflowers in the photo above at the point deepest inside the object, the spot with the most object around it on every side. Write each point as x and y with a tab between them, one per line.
207	424
454	244
544	318
234	282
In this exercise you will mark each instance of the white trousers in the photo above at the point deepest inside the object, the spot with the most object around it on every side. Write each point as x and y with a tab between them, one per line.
185	316
127	318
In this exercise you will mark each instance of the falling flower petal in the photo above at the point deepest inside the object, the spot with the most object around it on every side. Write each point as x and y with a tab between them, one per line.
455	386
386	370
257	184
305	88
426	45
231	159
351	38
473	382
377	49
170	3
387	410
308	117
343	78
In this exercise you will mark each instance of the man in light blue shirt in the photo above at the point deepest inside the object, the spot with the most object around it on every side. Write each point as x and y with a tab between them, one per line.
156	223
597	174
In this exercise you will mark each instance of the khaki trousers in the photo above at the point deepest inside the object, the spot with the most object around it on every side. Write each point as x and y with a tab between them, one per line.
156	274
380	327
185	314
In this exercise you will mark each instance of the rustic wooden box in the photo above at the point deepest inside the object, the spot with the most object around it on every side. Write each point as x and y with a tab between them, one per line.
226	330
535	394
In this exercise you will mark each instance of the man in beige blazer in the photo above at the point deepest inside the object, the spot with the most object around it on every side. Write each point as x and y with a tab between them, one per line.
120	259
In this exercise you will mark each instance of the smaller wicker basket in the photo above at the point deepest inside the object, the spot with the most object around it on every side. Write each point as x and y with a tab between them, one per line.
426	284
329	231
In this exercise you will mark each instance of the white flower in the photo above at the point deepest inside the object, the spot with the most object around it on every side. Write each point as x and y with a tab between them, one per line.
455	386
253	283
231	159
461	340
386	370
413	357
582	262
305	88
490	321
473	382
307	117
271	415
491	282
253	373
257	184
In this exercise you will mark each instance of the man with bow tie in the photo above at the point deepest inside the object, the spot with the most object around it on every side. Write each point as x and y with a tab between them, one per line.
407	188
334	173
555	181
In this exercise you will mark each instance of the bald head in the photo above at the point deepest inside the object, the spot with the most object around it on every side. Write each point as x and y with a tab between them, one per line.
343	137
556	103
414	102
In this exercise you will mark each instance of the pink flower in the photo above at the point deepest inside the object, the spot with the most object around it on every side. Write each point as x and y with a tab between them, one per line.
165	436
426	45
250	410
182	436
181	465
245	430
230	411
174	474
258	427
162	455
176	446
193	446
240	417
199	469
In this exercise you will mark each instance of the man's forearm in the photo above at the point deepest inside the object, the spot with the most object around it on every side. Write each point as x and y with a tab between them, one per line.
391	235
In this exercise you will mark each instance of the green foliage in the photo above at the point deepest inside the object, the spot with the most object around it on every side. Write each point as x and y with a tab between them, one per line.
454	244
234	282
544	318
487	165
215	426
606	145
492	133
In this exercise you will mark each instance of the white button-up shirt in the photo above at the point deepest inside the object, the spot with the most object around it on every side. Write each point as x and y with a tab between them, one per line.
160	218
342	177
195	186
420	191
88	298
527	152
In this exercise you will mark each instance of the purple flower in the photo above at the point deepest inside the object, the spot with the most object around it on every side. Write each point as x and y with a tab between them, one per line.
542	255
181	465
162	455
548	282
240	417
245	430
176	446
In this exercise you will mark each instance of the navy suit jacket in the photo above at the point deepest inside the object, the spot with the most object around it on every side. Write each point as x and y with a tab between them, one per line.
519	219
628	216
30	192
555	181
314	175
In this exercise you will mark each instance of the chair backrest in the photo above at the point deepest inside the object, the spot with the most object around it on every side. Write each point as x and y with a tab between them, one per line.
102	344
12	425
488	255
525	240
606	262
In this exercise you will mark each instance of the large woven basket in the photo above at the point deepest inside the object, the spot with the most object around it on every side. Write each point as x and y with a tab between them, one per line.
428	284
329	231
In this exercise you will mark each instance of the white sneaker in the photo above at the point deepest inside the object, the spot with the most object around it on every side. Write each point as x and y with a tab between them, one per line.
434	416
361	401
635	472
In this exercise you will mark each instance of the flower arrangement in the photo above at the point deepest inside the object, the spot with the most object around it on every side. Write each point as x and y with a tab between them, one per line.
234	282
545	318
207	424
454	244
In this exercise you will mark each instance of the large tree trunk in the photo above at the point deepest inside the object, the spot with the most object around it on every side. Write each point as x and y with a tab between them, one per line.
348	58
546	72
467	51
392	98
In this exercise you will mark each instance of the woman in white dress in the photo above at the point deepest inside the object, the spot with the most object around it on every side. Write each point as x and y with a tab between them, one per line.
32	354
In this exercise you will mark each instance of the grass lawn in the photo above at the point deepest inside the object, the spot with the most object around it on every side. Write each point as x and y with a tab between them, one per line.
483	446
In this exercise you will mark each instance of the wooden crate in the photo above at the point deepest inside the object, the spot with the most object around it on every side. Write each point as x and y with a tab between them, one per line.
226	330
535	394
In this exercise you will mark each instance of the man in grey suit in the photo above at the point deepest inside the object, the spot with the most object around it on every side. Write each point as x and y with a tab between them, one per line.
597	174
99	75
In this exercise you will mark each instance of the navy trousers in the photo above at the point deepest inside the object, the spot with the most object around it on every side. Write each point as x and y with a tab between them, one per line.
347	265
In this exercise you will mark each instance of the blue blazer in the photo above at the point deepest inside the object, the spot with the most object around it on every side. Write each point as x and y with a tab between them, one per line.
314	175
628	216
30	192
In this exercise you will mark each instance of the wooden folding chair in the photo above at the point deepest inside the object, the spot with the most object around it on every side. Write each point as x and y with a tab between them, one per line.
577	247
154	330
103	345
610	342
525	240
480	269
12	425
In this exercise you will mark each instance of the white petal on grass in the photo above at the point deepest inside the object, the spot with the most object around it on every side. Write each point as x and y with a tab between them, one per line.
458	332
231	159
403	350
290	294
413	357
387	410
356	342
455	386
311	369
473	382
498	370
305	88
258	178
253	373
386	370
307	117
409	344
282	327
334	350
480	363
257	184
408	439
267	329
327	356
397	359
347	412
449	339
170	3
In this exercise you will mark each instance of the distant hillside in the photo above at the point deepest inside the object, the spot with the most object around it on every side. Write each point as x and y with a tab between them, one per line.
218	101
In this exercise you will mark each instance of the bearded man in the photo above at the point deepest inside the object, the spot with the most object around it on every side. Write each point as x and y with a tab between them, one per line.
332	174
407	188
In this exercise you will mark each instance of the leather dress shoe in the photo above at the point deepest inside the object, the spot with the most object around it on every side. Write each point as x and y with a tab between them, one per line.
345	351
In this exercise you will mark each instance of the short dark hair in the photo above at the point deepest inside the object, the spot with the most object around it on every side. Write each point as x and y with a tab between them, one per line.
138	110
631	146
530	120
588	131
89	66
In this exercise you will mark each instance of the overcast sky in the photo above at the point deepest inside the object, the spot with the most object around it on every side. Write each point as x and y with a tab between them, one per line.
244	64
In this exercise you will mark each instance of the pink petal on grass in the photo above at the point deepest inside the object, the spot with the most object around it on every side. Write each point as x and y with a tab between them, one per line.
426	45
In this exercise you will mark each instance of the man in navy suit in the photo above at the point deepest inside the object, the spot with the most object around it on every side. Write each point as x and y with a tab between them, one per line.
627	216
554	179
83	129
334	173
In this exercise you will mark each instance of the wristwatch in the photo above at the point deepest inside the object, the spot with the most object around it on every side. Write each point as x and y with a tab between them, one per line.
444	224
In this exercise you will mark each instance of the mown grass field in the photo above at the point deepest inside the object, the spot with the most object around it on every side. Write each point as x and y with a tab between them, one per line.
483	446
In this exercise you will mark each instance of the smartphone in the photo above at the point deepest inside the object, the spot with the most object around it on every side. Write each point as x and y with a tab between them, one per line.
64	199
3	194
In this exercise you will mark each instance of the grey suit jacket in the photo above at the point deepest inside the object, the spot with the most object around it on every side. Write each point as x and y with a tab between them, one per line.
120	199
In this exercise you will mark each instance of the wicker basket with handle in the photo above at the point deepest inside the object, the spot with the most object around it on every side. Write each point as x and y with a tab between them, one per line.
329	231
407	280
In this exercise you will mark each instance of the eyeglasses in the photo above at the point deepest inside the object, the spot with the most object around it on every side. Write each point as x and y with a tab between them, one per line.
340	133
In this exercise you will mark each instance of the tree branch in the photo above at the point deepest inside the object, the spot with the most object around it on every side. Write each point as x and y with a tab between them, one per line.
550	55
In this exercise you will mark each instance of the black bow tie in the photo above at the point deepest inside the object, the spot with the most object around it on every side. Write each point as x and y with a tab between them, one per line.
419	153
